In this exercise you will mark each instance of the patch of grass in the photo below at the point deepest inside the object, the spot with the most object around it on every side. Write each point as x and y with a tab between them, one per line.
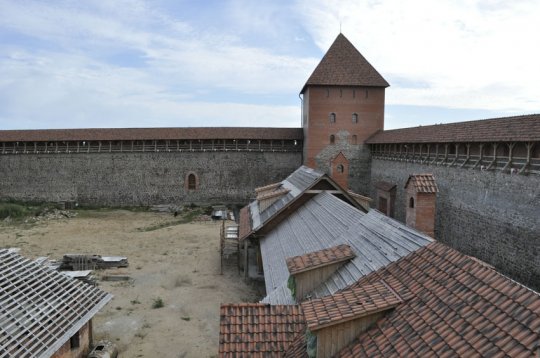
186	318
118	308
13	210
186	218
135	301
158	303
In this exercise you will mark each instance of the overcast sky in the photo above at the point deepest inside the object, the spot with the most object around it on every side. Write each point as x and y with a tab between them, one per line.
156	63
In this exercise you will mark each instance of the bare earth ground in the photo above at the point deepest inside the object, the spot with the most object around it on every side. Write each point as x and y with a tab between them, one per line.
179	264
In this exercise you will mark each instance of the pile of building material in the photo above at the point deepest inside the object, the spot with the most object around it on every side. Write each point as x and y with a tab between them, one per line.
85	276
77	262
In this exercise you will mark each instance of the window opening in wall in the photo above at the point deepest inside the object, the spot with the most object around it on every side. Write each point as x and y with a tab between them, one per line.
74	341
327	92
340	168
332	139
411	203
192	182
367	93
332	117
354	139
355	117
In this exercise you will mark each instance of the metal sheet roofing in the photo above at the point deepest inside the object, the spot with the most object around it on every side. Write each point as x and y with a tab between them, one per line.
326	221
41	309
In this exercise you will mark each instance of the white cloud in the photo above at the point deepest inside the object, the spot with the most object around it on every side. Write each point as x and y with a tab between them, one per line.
468	54
71	76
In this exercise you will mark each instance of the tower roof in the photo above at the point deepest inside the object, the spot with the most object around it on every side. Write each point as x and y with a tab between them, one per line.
344	65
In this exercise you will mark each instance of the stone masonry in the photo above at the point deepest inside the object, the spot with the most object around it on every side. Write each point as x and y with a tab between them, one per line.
490	215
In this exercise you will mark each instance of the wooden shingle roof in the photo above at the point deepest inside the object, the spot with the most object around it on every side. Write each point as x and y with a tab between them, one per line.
344	65
258	330
41	309
519	128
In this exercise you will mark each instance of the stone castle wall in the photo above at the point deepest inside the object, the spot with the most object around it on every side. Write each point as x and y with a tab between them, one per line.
490	215
121	179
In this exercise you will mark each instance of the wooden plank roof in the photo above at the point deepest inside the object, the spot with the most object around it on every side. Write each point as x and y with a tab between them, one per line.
90	134
519	128
41	309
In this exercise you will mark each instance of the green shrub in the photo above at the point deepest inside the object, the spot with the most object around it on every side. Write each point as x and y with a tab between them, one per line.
12	210
158	302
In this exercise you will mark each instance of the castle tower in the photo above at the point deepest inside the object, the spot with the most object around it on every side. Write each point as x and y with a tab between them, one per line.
342	106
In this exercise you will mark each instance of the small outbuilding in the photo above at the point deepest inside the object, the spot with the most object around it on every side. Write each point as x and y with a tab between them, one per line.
44	313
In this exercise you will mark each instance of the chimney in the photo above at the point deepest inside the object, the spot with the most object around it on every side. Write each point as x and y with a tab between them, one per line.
267	195
334	321
421	193
308	271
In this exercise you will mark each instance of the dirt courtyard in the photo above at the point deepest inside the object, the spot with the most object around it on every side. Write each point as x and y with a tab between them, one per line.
177	263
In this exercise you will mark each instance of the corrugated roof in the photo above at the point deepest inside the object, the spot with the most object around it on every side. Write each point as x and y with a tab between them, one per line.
454	307
326	221
519	128
344	65
423	183
89	134
41	309
258	330
311	260
349	304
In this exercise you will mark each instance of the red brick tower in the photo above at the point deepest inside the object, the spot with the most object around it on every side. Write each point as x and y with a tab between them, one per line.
343	105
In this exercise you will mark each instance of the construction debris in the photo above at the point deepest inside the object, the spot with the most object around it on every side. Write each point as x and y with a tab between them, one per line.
92	262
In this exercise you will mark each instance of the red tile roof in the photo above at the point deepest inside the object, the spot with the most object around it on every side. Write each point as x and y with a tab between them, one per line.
258	330
245	225
344	65
454	307
423	183
319	258
519	128
149	134
349	304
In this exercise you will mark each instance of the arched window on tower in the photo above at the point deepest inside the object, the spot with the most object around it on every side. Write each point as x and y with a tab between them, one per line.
340	168
411	203
354	139
355	117
332	117
332	139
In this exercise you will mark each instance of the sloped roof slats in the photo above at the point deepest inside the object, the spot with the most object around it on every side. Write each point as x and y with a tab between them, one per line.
41	307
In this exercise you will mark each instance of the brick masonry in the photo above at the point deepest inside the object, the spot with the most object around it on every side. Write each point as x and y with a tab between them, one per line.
349	133
489	215
118	179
